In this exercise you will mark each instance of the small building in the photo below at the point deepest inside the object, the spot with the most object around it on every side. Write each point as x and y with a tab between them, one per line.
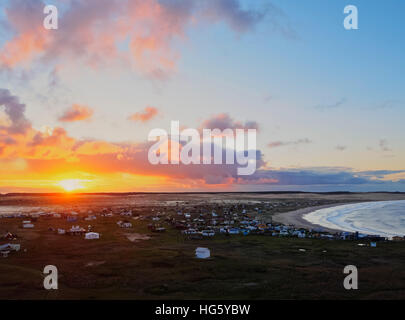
126	225
71	219
208	233
92	235
10	247
91	217
76	230
202	253
126	214
28	226
10	236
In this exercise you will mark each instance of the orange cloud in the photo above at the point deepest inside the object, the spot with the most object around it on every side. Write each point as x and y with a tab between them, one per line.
76	113
22	48
145	115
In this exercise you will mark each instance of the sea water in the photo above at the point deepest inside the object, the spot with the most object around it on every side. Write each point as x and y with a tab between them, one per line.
384	218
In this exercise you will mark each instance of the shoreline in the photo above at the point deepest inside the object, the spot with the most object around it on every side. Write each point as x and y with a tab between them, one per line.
296	219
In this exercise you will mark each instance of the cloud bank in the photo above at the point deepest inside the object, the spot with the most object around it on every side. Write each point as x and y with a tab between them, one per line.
137	33
29	153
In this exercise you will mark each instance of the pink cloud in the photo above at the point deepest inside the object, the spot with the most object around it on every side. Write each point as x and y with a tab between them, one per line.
145	115
76	113
96	31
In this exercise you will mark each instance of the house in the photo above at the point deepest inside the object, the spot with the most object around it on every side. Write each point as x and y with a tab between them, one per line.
223	230
189	231
90	217
202	253
126	224
397	238
208	233
10	247
76	230
127	214
92	235
28	225
283	233
9	236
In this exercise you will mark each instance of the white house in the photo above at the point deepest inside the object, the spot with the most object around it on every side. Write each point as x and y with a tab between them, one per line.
208	233
127	214
126	225
202	253
10	247
91	217
92	235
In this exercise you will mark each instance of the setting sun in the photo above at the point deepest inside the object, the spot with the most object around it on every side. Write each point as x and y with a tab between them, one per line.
71	184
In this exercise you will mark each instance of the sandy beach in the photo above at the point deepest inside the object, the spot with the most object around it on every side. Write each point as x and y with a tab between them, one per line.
296	218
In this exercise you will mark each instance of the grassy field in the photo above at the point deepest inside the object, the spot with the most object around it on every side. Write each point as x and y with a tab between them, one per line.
164	267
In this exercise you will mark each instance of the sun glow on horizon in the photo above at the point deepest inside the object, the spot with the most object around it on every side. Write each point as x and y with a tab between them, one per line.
70	185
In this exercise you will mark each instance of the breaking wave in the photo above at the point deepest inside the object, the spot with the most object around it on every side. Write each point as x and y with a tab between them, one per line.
384	218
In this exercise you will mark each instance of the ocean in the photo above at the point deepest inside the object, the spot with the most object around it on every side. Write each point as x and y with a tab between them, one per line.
384	218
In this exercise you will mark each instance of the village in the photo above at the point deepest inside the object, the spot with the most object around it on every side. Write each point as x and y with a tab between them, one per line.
193	222
202	246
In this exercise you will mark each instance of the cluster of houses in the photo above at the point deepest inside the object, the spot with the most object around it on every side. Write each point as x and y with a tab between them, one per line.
201	221
239	220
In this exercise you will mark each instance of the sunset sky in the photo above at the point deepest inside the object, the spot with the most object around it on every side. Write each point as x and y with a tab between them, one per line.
77	103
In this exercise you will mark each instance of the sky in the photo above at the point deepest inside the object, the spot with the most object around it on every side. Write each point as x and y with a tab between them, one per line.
77	103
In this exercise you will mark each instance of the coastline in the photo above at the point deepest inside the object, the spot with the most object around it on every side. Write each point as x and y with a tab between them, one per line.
296	219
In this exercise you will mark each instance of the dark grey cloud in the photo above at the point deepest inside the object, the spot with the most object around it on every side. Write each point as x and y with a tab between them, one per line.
379	174
224	121
239	19
276	144
320	176
15	112
384	145
341	148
